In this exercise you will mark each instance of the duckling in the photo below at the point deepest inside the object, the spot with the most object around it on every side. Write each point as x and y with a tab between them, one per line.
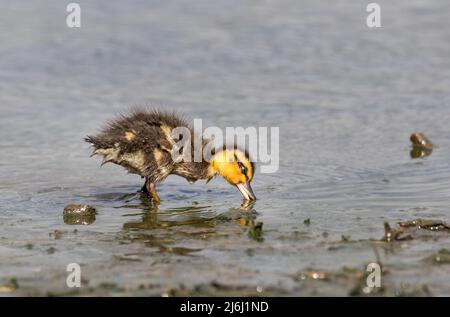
142	143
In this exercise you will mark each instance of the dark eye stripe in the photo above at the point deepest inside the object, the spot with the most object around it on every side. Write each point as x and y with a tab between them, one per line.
242	168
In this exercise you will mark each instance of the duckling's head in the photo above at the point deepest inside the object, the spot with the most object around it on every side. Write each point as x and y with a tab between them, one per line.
235	166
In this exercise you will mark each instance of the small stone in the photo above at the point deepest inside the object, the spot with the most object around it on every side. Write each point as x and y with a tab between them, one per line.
81	214
421	145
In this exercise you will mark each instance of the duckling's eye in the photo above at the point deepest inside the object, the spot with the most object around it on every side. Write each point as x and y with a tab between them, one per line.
242	168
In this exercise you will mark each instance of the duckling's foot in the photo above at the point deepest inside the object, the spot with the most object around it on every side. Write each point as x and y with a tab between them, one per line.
150	189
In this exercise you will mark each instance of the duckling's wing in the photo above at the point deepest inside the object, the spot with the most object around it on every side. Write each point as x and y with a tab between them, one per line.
140	142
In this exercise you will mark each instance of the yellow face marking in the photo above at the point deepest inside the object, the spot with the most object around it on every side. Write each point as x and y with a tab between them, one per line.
225	163
130	136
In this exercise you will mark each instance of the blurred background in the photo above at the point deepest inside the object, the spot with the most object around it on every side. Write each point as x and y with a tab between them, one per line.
345	97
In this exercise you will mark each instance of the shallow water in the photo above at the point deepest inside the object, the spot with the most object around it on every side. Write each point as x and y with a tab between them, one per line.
346	99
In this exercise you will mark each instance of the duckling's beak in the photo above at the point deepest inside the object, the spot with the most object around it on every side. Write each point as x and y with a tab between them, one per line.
246	191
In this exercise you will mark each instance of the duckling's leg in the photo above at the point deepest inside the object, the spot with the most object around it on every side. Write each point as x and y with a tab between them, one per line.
154	194
150	188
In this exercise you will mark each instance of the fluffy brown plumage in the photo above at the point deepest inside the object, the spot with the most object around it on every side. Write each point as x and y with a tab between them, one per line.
142	143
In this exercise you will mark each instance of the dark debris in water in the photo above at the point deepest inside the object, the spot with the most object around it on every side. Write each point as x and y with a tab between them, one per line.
396	234
428	224
408	230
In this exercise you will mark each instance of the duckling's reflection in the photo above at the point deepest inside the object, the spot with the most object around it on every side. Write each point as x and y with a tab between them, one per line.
247	205
195	216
